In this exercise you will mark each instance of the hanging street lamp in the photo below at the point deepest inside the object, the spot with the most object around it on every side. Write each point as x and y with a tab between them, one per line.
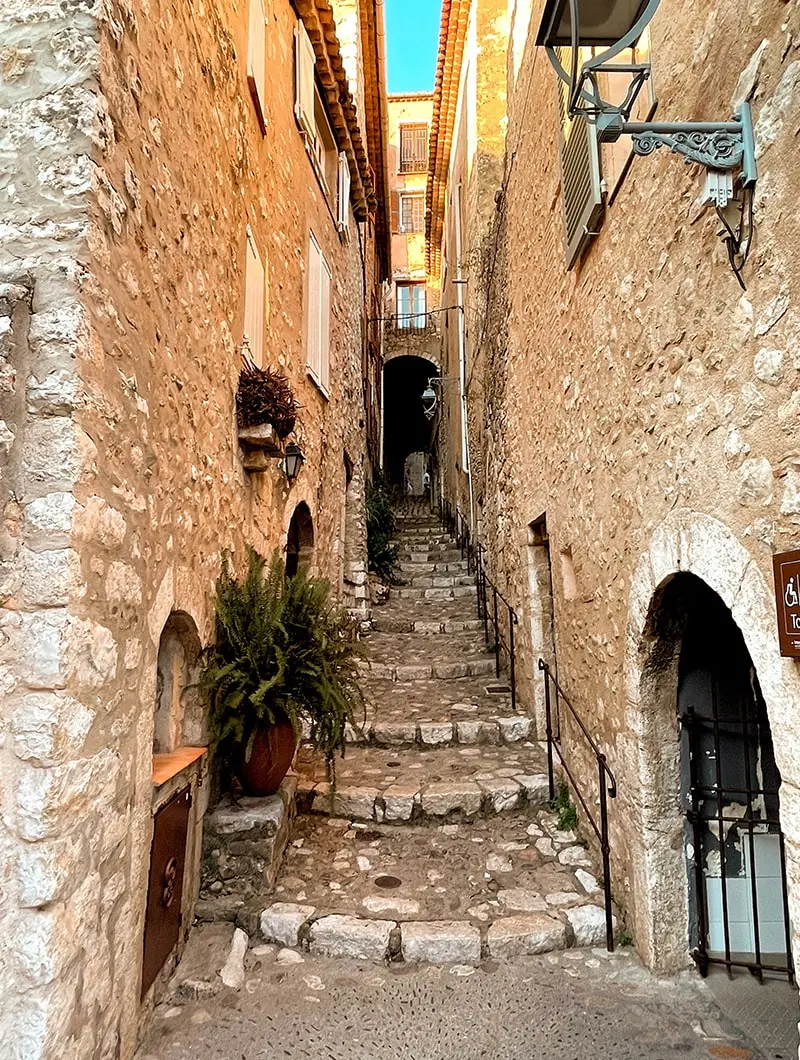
430	399
569	28
292	461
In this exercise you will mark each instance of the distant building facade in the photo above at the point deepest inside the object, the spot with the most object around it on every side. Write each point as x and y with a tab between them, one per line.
628	457
182	189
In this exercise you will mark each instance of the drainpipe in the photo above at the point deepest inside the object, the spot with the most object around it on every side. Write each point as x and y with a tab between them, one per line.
462	360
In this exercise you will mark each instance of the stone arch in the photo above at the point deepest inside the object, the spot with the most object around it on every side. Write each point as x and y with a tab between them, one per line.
428	355
694	543
407	429
300	540
180	717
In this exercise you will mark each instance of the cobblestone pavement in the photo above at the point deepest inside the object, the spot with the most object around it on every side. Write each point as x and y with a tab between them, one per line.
577	1005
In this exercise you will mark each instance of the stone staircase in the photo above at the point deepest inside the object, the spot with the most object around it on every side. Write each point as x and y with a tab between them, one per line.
436	843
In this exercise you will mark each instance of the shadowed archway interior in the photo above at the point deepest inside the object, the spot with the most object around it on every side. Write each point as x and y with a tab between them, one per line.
406	428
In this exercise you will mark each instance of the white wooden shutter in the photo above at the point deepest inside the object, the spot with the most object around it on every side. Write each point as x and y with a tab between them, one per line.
257	59
344	194
324	324
312	307
304	62
254	303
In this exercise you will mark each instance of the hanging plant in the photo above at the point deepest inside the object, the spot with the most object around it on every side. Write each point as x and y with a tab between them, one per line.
265	396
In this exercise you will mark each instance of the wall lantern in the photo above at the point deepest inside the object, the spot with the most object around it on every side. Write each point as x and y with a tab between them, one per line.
613	26
292	461
430	399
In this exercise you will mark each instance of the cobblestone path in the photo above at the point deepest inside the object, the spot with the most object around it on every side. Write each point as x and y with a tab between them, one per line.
573	1005
436	843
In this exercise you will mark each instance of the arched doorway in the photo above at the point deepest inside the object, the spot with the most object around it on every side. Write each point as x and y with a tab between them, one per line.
299	540
736	896
407	430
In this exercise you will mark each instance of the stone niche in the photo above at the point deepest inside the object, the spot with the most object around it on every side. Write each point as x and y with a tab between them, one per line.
181	782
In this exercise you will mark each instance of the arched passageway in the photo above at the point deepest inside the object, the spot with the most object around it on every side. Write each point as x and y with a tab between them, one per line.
719	775
299	540
406	428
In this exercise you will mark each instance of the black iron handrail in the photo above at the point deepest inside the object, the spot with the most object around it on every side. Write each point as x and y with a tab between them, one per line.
606	781
488	590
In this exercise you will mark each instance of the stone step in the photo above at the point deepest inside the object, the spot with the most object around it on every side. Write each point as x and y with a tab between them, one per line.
449	555
415	548
425	734
444	670
410	592
441	581
373	784
453	893
387	623
456	566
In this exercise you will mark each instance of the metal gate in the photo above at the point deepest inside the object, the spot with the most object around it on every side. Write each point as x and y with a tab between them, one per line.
164	915
735	847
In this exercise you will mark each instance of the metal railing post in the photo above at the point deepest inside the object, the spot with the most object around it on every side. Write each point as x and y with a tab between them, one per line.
605	849
496	633
511	658
548	728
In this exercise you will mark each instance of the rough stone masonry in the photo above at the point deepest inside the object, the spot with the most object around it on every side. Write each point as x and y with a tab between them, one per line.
131	164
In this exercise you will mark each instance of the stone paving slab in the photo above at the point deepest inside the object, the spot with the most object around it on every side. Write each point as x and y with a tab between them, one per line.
569	1005
474	874
403	784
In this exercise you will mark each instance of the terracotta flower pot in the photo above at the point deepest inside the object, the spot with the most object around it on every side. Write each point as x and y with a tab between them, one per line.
271	755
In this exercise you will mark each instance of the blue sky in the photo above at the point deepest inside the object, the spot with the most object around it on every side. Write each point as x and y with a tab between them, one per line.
412	37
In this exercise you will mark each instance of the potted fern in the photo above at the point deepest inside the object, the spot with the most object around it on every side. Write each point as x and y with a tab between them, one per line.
285	654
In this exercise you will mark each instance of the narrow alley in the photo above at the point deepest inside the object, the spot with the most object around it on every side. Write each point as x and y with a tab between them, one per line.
435	858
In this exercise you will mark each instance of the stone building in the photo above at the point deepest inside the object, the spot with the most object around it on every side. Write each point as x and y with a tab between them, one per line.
632	440
182	184
411	343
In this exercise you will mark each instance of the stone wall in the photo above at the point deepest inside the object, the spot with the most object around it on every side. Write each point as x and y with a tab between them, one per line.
648	407
134	162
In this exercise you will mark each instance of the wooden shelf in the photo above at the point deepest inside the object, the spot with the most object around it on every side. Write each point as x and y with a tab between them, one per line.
166	766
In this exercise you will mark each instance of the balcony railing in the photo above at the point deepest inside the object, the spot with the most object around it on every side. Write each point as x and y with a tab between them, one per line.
400	324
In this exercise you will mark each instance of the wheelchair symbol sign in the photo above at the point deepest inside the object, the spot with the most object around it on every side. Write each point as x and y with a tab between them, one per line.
787	597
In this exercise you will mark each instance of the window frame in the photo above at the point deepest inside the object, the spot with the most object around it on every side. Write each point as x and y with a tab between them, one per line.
412	197
415	165
411	318
257	59
255	305
318	316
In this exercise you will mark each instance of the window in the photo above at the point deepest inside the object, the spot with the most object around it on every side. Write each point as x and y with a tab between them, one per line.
255	303
412	213
311	114
411	305
318	311
343	208
413	148
257	60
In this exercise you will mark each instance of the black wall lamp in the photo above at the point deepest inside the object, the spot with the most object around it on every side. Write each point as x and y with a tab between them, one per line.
613	26
292	461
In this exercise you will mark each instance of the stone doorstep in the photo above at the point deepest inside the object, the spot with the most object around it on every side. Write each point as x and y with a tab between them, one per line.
411	803
509	729
432	941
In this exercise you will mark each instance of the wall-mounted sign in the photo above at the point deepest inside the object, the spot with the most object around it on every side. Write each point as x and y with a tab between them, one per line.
787	595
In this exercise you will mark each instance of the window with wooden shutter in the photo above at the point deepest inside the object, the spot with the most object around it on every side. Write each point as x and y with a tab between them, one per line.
413	148
343	216
257	59
318	307
581	191
395	209
304	63
254	304
412	213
